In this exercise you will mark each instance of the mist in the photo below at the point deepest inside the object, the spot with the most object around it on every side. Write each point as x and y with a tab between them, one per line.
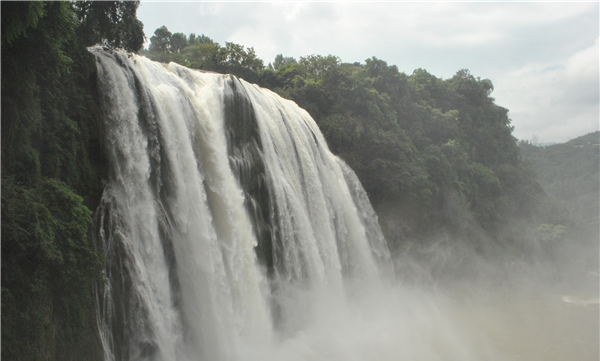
452	298
446	302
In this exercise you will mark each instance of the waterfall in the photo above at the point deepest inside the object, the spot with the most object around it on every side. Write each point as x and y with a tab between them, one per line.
224	218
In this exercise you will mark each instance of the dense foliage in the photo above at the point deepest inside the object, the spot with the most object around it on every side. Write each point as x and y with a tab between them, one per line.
52	167
434	155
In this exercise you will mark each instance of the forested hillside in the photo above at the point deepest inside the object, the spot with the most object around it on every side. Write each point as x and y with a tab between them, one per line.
435	155
52	171
568	172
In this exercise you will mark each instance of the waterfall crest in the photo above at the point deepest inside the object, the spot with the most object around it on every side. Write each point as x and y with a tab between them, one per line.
222	198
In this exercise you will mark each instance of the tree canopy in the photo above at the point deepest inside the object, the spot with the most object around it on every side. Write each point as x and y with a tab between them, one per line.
112	23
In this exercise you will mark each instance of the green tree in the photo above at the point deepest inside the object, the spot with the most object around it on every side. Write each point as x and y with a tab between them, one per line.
160	42
17	17
178	42
112	23
235	56
204	56
315	66
280	60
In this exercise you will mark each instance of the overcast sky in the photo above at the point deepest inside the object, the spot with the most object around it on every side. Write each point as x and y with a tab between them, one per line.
543	58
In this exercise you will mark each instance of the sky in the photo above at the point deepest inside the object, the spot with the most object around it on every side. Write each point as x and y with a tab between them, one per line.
542	57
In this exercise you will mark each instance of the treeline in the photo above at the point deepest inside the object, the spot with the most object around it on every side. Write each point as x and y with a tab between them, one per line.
52	167
201	52
435	155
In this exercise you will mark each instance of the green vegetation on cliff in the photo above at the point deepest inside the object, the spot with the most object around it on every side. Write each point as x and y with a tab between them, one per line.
52	168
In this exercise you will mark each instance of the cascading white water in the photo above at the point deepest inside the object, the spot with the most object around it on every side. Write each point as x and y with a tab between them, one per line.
179	226
230	232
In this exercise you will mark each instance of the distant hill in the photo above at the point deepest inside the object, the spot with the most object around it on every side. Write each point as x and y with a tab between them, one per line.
569	173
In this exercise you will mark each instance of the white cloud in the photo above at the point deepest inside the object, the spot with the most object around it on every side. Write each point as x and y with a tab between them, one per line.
557	101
